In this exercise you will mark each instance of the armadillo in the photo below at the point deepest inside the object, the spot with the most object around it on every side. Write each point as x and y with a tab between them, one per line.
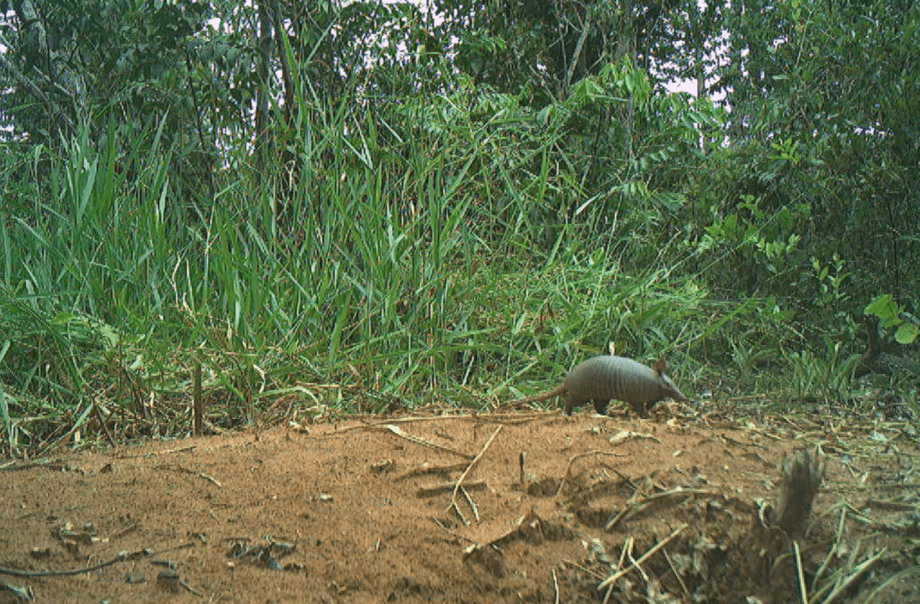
605	378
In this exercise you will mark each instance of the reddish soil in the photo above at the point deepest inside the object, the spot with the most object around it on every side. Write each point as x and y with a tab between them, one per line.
357	510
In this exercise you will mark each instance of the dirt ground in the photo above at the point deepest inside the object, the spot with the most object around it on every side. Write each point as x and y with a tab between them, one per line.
360	510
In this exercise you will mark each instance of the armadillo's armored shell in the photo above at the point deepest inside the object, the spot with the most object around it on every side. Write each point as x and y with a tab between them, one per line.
605	378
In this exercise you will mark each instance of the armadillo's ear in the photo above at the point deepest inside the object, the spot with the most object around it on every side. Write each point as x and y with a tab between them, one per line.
660	367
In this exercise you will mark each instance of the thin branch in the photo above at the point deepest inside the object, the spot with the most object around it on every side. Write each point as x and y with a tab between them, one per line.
614	578
453	497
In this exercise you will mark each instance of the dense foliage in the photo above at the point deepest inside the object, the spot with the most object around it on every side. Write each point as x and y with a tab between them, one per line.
445	200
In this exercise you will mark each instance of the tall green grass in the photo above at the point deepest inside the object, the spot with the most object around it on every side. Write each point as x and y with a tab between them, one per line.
434	262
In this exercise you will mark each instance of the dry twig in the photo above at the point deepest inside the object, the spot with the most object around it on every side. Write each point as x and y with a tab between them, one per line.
453	497
572	460
801	573
420	441
616	577
641	503
555	587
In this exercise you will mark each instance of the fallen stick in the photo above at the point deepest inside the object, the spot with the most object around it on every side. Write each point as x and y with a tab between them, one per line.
453	497
420	441
614	578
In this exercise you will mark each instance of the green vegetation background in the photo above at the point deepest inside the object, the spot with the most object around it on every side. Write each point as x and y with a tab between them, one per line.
369	206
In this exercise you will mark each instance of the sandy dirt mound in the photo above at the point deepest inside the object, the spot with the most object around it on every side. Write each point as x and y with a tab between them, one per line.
369	510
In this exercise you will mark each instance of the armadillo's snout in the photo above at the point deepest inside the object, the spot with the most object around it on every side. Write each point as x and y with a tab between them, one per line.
671	390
